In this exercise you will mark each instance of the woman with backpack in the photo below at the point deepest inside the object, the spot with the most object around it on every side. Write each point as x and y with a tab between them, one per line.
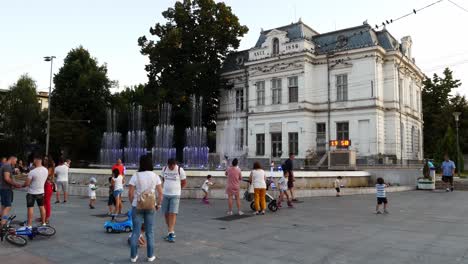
143	187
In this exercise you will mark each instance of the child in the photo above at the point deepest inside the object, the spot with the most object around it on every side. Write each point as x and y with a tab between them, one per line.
111	200
283	188
338	185
381	196
206	187
117	185
92	192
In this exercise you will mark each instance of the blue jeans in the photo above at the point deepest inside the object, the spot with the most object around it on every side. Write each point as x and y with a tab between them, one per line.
139	217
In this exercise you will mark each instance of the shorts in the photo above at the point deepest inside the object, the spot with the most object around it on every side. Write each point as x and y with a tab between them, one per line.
62	186
170	204
34	198
92	197
447	179
117	193
291	184
382	200
6	196
232	191
283	190
111	200
337	190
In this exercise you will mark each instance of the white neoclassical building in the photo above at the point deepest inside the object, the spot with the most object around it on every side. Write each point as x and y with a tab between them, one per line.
296	89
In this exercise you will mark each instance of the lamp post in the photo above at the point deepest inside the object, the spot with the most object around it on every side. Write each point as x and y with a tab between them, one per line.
51	59
457	118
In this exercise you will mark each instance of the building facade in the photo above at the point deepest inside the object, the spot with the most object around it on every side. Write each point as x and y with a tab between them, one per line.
296	90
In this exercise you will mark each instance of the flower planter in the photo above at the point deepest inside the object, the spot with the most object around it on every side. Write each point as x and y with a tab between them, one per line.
426	184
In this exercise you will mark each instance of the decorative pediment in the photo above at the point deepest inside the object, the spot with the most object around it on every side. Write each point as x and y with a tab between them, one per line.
276	32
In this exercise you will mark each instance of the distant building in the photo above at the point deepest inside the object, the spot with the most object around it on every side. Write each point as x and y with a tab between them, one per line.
43	100
297	89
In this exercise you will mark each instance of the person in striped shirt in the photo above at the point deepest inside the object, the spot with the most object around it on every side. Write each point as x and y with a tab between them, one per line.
381	196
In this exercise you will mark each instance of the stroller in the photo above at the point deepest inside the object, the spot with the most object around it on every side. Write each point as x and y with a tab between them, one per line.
270	200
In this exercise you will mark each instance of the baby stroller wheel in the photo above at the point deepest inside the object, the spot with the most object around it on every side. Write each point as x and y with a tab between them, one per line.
252	206
273	206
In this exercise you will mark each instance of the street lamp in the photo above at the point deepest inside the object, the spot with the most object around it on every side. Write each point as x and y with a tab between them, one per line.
51	59
457	118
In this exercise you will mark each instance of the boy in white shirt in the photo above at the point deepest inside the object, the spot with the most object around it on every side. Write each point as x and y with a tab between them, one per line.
283	188
92	192
35	181
206	187
337	185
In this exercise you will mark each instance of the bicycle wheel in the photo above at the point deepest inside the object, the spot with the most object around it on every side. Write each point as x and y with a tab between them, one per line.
45	231
16	240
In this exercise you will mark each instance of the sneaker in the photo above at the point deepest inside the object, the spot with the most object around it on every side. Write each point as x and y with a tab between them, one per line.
57	202
91	207
171	238
447	190
240	213
256	213
386	211
64	201
262	212
378	212
279	204
451	189
134	260
151	259
295	200
290	205
229	213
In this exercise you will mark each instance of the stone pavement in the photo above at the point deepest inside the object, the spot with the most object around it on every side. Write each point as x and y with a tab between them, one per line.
422	227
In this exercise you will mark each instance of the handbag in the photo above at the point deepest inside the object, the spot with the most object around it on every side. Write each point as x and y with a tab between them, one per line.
146	200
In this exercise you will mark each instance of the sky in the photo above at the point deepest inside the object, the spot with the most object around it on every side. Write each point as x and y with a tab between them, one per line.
109	29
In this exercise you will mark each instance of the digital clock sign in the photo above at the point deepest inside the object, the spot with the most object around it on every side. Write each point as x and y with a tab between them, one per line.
340	143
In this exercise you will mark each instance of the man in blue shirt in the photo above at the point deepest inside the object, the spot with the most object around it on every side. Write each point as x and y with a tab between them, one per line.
448	170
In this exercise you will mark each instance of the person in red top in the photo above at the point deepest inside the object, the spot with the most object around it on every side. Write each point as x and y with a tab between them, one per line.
234	177
119	166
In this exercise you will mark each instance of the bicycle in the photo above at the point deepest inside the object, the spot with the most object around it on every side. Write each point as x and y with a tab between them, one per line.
46	231
10	234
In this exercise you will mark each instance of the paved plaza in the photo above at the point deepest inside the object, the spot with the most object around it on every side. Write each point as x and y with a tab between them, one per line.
422	227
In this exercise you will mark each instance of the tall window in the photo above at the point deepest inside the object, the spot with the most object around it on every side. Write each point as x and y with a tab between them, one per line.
261	93
342	130
400	90
239	139
293	89
342	87
260	145
413	135
239	100
276	145
411	95
418	98
321	137
275	46
276	91
293	142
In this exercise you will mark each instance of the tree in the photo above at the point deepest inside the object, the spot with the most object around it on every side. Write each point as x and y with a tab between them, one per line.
187	56
437	108
23	124
82	93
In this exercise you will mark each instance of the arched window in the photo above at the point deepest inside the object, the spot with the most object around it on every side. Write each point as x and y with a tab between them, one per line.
275	46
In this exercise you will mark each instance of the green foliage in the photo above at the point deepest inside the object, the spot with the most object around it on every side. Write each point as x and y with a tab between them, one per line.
81	93
448	145
437	109
187	56
22	120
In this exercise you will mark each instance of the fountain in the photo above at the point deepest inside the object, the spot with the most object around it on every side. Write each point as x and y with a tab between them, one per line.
231	145
111	149
196	149
136	138
163	137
